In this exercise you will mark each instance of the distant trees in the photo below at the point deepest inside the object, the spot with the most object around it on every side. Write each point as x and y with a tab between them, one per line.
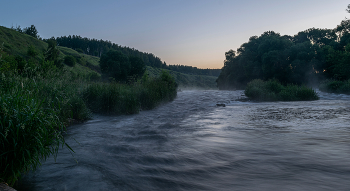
120	67
31	31
193	70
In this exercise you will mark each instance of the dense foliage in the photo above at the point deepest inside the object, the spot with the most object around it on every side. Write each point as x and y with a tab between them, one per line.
272	90
118	66
306	58
114	98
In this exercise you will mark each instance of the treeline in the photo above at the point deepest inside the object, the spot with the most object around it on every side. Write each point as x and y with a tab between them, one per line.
194	70
32	31
97	48
308	57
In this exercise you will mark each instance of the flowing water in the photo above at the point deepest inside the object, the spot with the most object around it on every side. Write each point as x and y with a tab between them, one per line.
191	144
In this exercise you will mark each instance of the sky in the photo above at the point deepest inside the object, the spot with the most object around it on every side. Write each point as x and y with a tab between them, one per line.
185	32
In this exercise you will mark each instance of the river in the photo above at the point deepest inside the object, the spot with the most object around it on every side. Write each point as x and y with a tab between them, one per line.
191	144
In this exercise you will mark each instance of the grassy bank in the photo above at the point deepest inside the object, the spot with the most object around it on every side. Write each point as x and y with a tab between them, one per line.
332	86
37	105
41	94
272	90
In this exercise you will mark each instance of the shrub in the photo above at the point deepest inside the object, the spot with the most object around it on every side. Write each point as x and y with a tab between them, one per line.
116	98
69	60
31	51
272	90
333	86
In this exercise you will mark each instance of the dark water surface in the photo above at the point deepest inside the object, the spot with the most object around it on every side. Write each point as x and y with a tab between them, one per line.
190	144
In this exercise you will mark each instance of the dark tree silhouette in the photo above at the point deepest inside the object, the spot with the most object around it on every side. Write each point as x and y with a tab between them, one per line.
31	31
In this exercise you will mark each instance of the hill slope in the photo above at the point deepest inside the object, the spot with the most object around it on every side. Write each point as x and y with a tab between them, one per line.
16	43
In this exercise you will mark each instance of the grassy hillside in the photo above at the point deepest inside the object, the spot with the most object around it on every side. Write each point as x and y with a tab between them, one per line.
87	65
15	43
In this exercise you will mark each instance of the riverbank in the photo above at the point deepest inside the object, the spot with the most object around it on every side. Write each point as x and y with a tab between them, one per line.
36	107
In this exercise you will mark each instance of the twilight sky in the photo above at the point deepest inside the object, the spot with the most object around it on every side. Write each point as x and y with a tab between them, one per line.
186	32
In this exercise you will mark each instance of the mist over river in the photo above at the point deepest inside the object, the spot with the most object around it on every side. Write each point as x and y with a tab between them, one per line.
191	144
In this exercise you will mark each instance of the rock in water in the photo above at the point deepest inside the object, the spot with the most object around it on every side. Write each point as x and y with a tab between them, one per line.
221	104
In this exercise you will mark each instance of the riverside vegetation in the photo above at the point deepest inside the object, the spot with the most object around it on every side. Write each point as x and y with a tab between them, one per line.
42	91
272	90
314	56
334	86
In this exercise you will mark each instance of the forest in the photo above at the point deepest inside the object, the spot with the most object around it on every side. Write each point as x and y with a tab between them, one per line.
310	57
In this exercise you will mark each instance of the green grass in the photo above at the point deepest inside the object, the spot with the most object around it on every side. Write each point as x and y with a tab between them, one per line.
332	86
272	90
16	43
81	58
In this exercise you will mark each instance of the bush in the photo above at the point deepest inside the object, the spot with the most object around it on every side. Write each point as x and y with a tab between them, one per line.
116	98
333	86
272	90
69	60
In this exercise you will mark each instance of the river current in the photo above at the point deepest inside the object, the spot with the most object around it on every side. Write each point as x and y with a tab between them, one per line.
192	144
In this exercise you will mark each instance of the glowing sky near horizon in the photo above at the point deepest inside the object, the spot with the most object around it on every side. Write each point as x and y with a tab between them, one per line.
186	32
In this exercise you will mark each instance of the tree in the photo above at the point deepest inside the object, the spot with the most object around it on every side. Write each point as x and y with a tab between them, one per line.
31	31
52	53
115	64
120	67
137	68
